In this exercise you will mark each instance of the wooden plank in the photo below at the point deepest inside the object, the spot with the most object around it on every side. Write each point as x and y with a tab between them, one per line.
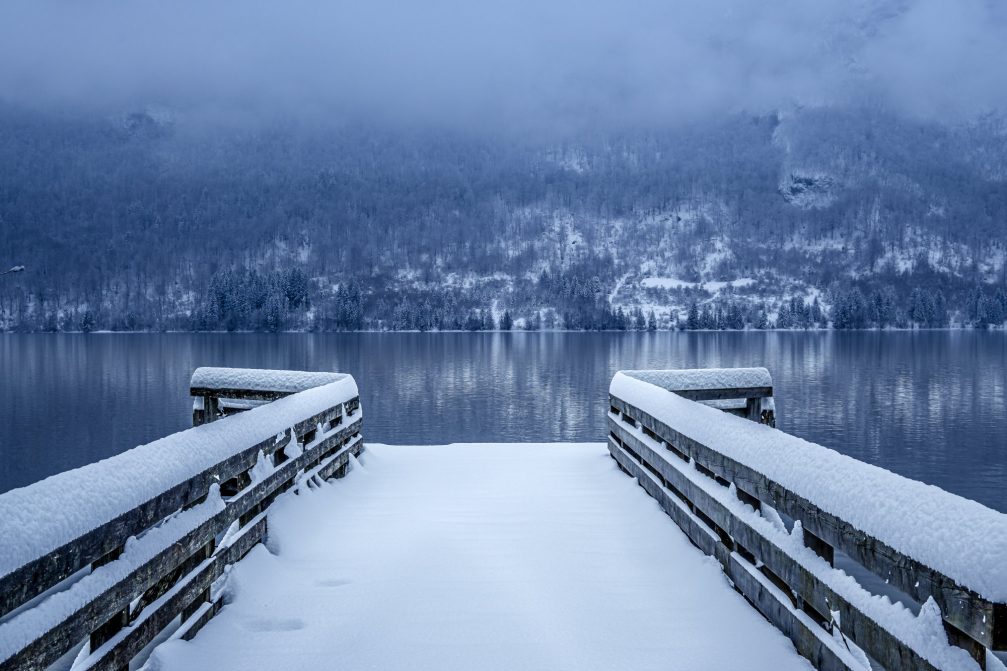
808	638
199	414
726	393
50	645
702	536
120	650
167	581
201	618
820	547
337	468
974	615
242	394
37	576
866	632
210	409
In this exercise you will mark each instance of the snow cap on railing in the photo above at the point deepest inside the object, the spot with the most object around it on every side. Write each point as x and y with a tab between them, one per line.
257	379
704	378
961	538
43	516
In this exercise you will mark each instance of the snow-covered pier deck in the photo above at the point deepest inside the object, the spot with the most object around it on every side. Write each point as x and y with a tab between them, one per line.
266	538
479	557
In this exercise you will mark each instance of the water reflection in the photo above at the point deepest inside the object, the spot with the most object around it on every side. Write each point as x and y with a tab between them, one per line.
928	405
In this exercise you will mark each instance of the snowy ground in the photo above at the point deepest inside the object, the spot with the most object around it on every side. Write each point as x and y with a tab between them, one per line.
479	557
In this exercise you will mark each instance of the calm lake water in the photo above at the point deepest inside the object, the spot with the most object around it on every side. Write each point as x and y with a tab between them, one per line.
928	405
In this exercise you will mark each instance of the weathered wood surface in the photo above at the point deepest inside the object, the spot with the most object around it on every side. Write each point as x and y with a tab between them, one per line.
724	394
982	620
805	588
119	650
244	394
276	385
127	615
808	642
50	645
35	577
192	591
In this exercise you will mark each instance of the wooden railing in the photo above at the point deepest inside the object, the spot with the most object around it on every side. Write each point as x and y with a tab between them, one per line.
746	392
219	392
110	595
721	504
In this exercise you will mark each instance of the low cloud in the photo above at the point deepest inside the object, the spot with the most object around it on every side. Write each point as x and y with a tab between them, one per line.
505	62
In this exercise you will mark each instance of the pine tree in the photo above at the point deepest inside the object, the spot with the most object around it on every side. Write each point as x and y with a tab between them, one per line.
798	312
620	319
273	317
940	309
817	318
850	310
692	319
784	320
735	319
295	288
922	311
974	306
86	322
707	320
883	307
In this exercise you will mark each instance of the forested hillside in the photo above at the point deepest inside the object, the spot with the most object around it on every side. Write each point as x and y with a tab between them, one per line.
852	216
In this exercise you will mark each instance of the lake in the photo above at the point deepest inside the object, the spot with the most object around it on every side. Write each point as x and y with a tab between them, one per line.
930	405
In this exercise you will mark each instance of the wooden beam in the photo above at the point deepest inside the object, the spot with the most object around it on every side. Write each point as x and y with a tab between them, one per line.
723	394
809	640
100	613
799	581
37	576
188	591
961	606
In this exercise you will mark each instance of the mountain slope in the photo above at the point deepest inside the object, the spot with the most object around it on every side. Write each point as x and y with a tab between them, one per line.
148	221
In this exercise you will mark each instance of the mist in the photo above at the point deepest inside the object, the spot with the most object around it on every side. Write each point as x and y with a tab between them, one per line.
504	64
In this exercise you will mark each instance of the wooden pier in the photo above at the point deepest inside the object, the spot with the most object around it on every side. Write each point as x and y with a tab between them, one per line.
102	564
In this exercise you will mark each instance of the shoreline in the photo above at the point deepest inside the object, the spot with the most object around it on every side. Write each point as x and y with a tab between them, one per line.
1002	329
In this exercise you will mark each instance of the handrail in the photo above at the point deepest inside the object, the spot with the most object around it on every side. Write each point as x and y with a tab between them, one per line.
115	576
219	392
732	500
747	392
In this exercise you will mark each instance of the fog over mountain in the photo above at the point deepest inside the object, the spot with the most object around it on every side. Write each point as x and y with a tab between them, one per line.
515	62
303	164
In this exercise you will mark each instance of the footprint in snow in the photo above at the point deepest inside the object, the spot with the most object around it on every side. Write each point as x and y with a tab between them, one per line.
273	624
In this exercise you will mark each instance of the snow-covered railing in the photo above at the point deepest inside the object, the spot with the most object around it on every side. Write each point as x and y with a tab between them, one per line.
97	562
219	392
846	558
746	392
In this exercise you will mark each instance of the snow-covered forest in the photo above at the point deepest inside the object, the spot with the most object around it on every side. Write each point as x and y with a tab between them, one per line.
851	217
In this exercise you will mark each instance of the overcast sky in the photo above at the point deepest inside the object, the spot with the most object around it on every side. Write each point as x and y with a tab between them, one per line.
506	61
